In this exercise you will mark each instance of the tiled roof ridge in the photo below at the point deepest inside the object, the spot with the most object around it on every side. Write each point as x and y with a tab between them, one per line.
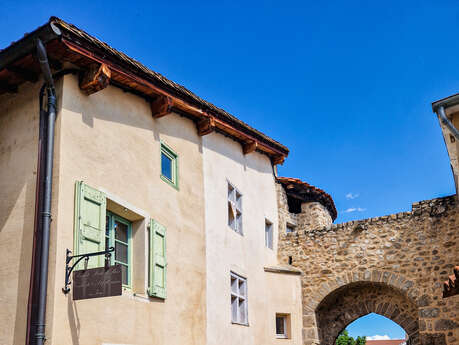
179	89
320	195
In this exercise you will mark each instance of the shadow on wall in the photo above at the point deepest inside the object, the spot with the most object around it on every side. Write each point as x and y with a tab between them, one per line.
74	320
19	121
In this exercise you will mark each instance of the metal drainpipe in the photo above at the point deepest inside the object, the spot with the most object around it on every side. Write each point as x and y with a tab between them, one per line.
48	177
441	113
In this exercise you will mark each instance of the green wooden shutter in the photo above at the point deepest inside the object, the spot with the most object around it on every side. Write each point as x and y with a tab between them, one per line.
90	209
158	263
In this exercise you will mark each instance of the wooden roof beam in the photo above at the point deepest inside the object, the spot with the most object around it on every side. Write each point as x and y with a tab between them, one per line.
96	78
249	147
206	126
161	106
278	159
275	154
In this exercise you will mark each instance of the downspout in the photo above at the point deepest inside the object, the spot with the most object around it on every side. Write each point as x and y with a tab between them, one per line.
441	114
47	191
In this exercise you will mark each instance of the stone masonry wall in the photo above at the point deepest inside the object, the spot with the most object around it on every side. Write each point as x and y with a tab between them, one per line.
395	265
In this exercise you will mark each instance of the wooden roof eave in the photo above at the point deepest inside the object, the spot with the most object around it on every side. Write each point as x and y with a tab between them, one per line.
246	139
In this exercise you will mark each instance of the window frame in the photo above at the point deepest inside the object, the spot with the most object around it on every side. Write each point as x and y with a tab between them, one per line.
173	156
284	335
238	297
269	234
238	203
290	225
111	218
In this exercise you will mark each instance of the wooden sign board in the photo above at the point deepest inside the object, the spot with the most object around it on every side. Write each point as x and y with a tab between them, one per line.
97	282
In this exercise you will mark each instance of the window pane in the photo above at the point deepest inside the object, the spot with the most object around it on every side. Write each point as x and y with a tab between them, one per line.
121	252
241	284
233	309
239	222
234	287
280	325
166	166
121	232
231	193
231	220
124	275
239	201
242	311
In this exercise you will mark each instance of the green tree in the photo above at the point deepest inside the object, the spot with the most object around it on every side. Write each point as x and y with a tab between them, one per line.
345	339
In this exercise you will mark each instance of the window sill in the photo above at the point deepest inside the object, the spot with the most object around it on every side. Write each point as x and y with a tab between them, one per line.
240	324
281	337
169	182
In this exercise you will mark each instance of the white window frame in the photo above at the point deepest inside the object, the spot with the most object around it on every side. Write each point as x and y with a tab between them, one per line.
239	306
234	202
269	234
285	334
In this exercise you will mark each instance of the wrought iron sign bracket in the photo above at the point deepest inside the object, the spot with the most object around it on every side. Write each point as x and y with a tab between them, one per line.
69	269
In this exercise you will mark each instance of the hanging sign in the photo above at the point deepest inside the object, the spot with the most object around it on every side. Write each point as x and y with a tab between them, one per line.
97	282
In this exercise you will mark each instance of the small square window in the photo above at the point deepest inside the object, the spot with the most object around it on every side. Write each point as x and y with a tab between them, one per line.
169	165
234	209
290	228
268	234
238	299
282	326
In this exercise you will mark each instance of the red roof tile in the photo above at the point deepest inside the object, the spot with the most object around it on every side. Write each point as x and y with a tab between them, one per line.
308	193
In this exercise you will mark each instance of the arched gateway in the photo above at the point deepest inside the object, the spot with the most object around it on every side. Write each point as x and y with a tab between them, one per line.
392	265
350	302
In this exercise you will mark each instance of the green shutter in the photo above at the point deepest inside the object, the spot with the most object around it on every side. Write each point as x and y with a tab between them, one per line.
158	264
90	209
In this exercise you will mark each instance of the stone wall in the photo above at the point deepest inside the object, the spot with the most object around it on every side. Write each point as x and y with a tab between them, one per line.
404	257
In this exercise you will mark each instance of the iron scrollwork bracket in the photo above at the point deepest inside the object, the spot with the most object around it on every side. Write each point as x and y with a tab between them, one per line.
69	269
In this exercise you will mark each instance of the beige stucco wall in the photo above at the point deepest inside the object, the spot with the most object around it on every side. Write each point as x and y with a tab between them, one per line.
111	142
268	293
19	121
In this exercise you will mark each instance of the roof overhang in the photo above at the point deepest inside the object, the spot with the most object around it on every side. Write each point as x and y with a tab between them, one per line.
94	58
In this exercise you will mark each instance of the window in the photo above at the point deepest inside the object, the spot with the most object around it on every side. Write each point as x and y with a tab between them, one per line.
238	299
234	209
118	235
169	165
290	228
282	326
268	234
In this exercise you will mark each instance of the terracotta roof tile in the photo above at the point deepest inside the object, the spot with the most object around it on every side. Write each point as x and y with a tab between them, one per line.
309	193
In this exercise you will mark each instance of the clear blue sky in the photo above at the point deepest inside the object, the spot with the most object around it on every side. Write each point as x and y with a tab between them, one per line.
374	324
346	85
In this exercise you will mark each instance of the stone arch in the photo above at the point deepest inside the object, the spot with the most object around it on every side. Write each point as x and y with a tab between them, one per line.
349	296
350	302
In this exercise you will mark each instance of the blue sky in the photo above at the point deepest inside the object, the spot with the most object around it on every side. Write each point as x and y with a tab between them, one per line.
346	85
373	325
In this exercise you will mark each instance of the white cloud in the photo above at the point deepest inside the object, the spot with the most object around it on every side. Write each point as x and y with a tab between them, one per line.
378	337
351	196
355	209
